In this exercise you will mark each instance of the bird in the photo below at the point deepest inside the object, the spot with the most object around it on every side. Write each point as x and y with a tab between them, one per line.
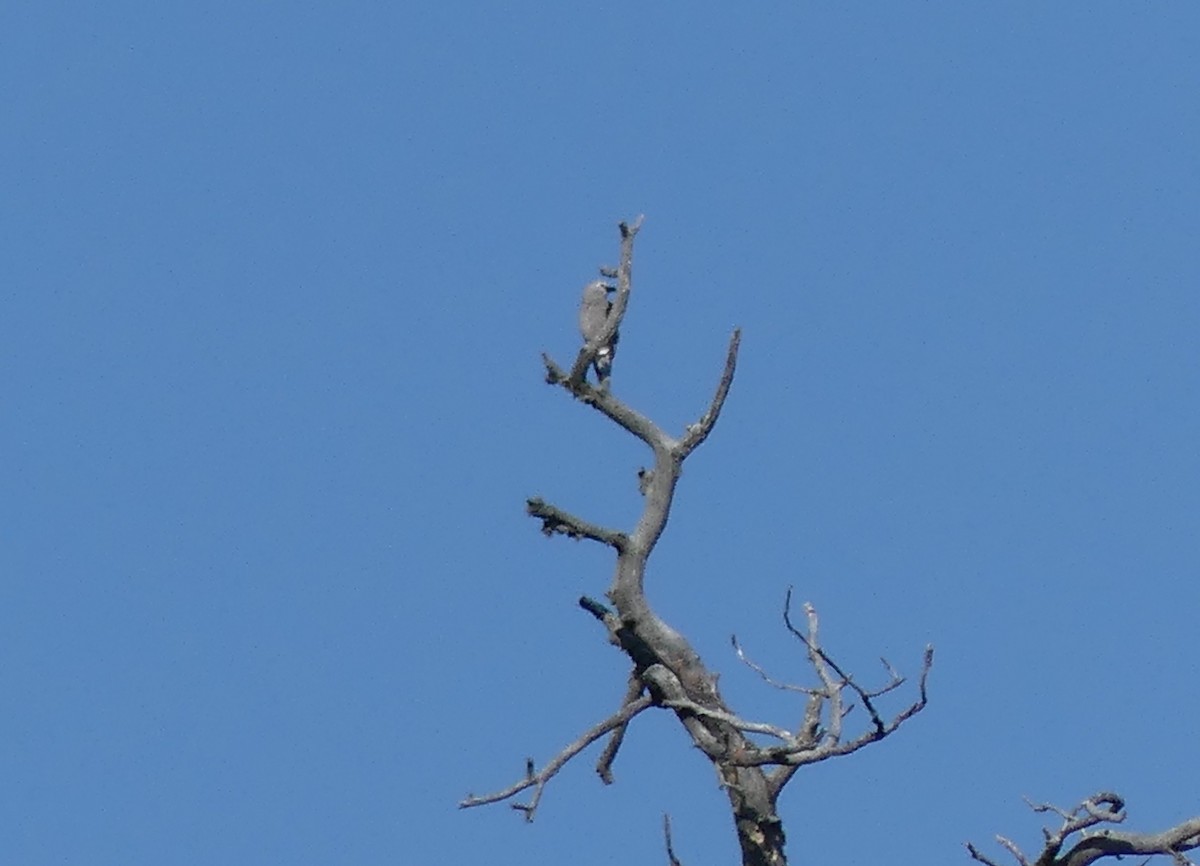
593	319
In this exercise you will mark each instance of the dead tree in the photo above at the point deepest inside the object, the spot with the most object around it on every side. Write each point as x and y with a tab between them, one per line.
754	760
1094	844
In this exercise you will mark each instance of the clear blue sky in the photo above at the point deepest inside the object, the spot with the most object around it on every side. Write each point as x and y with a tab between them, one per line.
275	280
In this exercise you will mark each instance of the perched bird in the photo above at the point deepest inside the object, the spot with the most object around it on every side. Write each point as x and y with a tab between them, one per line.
593	319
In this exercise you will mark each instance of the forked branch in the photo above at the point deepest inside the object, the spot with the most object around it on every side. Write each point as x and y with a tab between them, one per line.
821	735
538	779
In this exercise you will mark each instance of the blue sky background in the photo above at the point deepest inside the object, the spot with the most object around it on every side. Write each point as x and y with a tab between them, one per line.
275	280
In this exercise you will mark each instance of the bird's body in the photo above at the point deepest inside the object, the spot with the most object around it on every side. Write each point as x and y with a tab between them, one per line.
593	319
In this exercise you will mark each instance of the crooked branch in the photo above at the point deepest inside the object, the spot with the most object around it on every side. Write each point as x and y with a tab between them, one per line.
604	402
1102	808
537	780
698	432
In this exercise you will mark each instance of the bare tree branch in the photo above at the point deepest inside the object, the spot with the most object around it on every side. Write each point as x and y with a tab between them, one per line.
604	402
820	660
671	858
812	743
1013	849
974	852
1099	809
698	432
556	521
730	719
633	691
538	780
758	669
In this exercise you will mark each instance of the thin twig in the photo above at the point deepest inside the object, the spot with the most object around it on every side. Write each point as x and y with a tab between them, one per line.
671	858
975	853
811	643
758	669
805	749
730	719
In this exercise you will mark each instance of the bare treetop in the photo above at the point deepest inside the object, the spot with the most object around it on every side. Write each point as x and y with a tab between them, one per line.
666	672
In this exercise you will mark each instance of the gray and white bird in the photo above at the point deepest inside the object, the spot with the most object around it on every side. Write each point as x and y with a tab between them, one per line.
593	319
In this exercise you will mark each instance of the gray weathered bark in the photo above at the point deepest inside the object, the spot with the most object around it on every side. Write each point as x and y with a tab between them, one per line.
666	671
1099	809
